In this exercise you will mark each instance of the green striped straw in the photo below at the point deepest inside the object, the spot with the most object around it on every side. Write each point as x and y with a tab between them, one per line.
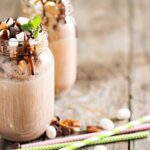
112	139
106	134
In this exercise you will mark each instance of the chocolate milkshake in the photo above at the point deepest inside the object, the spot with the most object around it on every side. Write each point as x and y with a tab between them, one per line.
57	19
26	79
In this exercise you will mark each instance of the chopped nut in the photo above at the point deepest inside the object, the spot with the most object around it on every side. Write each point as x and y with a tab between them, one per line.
92	129
66	131
3	26
58	130
55	121
74	125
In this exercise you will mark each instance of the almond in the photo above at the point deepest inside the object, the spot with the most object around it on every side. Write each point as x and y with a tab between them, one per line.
74	125
92	129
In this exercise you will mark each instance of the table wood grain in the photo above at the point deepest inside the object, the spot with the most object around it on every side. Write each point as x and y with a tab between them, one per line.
113	63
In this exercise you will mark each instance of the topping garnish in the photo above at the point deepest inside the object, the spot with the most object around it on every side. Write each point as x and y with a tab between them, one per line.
21	28
33	25
22	38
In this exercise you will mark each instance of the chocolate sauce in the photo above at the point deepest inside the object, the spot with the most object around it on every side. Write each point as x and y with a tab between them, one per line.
44	17
27	47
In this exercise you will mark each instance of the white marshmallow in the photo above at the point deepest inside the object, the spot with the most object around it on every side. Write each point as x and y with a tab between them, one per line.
51	132
22	20
13	42
123	113
106	124
38	7
100	147
9	22
20	36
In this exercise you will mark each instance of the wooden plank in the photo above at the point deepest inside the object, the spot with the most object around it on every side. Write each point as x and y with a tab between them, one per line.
102	83
140	66
9	8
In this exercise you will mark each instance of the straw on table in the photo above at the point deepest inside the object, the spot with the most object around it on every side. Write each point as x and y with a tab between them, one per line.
112	139
115	131
82	137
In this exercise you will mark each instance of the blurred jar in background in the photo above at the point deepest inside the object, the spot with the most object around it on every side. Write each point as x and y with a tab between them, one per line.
60	24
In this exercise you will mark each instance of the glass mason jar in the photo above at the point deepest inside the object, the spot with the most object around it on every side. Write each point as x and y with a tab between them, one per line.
26	90
60	24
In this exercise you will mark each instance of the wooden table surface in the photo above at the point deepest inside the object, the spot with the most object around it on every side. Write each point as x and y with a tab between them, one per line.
113	63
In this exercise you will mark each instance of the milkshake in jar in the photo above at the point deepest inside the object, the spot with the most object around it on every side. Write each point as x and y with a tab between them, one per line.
26	79
60	24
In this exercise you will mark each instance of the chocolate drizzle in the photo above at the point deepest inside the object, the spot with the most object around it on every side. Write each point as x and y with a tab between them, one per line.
27	47
44	17
59	6
30	61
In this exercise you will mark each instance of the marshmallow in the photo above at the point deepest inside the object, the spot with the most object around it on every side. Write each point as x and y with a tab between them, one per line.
106	124
51	132
38	7
22	20
100	147
123	113
13	42
20	37
9	22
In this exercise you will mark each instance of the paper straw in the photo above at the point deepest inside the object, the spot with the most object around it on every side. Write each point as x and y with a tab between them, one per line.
81	137
105	134
112	139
